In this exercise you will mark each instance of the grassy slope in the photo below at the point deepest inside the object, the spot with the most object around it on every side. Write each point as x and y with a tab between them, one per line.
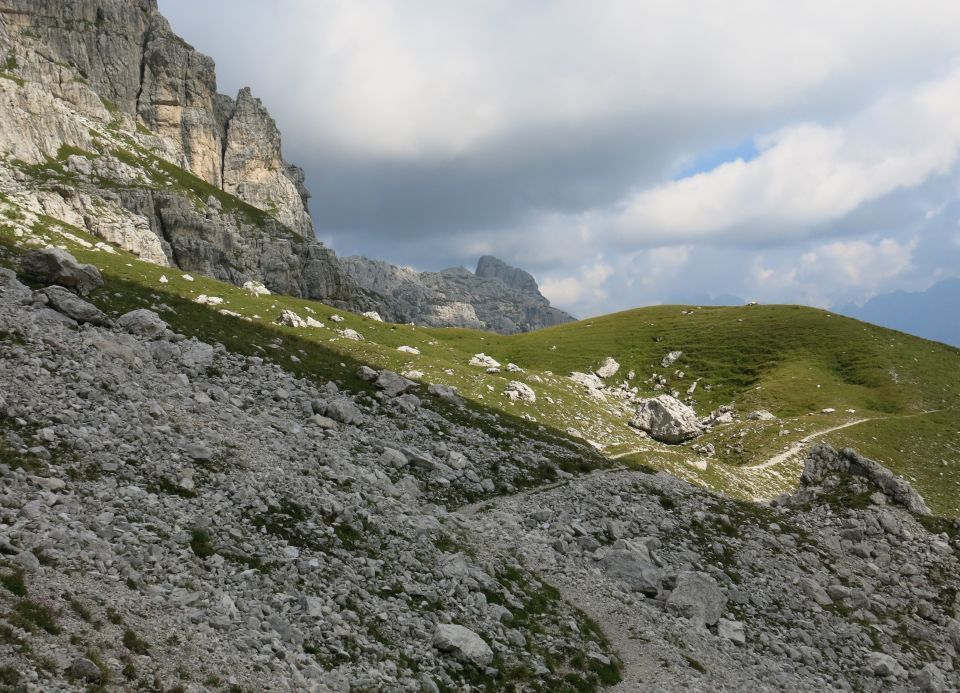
791	360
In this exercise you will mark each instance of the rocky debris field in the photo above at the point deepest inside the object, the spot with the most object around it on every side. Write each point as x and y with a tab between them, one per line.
174	516
696	591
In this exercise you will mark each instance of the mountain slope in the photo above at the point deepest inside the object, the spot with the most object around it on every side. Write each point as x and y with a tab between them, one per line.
794	361
359	537
932	314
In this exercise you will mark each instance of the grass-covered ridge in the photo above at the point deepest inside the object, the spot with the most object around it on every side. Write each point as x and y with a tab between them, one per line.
791	360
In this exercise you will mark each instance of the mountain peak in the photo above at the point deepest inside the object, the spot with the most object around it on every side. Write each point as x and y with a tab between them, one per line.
489	267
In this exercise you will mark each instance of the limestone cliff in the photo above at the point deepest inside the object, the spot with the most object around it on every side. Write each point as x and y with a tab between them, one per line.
112	123
496	297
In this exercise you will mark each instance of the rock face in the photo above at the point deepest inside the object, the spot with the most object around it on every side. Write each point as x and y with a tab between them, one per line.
147	155
666	419
495	297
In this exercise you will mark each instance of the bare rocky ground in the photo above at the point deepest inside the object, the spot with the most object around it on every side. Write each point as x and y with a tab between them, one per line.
175	517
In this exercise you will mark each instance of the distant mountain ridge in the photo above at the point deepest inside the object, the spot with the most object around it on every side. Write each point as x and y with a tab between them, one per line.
932	314
496	297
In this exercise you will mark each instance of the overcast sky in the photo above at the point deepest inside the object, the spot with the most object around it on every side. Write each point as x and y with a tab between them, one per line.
625	152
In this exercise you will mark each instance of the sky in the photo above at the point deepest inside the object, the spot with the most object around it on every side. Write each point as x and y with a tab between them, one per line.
625	152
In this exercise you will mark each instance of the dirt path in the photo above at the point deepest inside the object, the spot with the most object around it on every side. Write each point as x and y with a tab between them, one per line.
798	447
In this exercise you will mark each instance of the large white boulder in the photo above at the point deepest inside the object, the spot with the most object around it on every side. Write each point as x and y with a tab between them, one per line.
462	643
484	361
608	369
520	391
666	419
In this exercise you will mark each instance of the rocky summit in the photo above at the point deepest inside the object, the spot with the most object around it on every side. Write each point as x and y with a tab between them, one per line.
495	297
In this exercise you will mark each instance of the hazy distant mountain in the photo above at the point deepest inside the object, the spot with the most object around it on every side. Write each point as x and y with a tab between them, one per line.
934	313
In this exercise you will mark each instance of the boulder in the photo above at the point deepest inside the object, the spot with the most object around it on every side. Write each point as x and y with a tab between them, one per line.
85	670
409	350
666	419
761	415
256	288
670	359
344	411
883	665
608	369
444	392
732	631
372	315
57	266
590	381
520	391
483	361
143	323
697	597
635	567
74	307
11	287
290	319
462	643
366	374
393	384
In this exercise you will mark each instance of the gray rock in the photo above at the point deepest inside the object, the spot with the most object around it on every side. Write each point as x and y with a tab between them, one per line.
516	390
56	266
666	419
883	665
671	359
11	288
143	323
27	561
824	461
930	679
393	384
635	567
366	374
345	412
463	643
85	670
444	392
74	307
608	369
697	597
732	631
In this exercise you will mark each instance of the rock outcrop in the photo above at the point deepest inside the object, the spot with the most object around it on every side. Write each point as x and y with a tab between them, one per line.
826	468
495	297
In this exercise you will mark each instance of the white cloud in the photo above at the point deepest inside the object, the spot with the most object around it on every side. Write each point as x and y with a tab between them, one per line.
809	174
579	292
859	263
